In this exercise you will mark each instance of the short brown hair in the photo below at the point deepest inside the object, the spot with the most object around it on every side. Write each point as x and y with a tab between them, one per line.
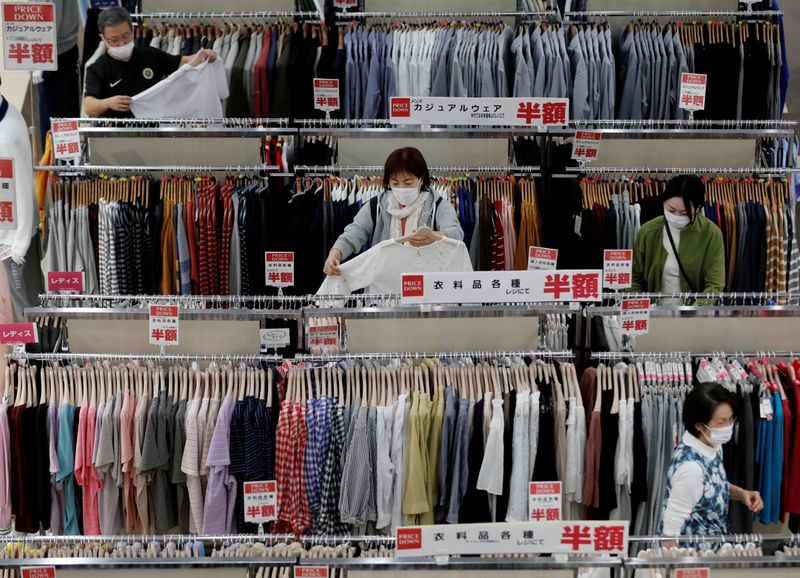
406	160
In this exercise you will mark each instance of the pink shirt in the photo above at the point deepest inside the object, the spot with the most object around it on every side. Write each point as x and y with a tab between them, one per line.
5	488
126	458
85	473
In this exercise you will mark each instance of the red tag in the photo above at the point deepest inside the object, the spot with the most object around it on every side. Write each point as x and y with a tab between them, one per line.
39	572
401	107
692	573
18	333
409	538
310	571
542	488
64	281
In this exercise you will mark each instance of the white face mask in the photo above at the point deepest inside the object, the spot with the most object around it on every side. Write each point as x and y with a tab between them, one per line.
406	196
123	52
719	435
676	221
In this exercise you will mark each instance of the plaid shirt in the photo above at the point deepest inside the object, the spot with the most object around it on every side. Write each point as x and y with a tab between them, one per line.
283	460
329	521
311	463
300	514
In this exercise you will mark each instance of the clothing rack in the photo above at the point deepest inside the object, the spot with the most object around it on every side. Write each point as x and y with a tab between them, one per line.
734	538
325	170
162	122
307	539
247	358
440	15
762	171
155	168
436	355
183	300
223	15
761	295
619	355
674	13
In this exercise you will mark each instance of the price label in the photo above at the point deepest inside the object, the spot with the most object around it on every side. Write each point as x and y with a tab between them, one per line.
617	268
345	4
8	196
542	259
64	281
471	111
164	326
275	338
18	333
29	36
5	252
279	268
260	502
635	318
38	572
693	91
66	140
765	409
544	501
326	94
324	338
311	571
692	573
586	145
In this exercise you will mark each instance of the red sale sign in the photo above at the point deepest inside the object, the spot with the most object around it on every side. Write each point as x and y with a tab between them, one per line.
693	91
326	94
586	145
279	269
260	501
692	573
469	111
29	36
66	140
163	325
542	259
544	501
8	196
38	572
64	281
617	268
635	318
311	571
18	333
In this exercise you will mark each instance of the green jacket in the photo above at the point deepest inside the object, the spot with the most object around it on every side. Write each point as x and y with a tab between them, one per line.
700	250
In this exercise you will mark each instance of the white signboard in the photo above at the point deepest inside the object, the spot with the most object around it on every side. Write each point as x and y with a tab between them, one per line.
586	145
163	326
66	140
572	537
260	501
279	268
275	338
29	36
617	268
532	112
544	501
693	91
635	318
326	94
502	287
542	259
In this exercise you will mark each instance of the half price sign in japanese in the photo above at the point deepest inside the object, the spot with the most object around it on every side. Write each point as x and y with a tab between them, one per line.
311	571
502	287
64	281
586	145
326	94
279	268
323	338
8	196
532	112
260	501
38	572
164	326
617	268
544	501
542	259
18	333
66	140
572	537
692	573
693	91
29	36
635	318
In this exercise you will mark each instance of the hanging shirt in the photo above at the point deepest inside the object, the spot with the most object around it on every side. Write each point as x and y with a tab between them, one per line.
191	92
381	268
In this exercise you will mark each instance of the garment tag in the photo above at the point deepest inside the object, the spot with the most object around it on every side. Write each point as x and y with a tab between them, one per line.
578	224
765	409
5	252
544	501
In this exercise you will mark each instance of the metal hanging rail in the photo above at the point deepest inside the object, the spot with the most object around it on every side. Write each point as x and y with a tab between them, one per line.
762	171
618	355
199	301
181	127
155	168
223	15
309	539
674	13
398	311
434	355
443	15
232	357
732	538
162	122
327	169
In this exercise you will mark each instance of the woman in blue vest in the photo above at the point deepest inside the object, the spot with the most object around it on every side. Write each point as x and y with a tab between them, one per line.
698	491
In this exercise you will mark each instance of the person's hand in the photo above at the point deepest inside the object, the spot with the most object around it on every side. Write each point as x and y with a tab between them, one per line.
202	56
424	240
332	263
752	500
119	103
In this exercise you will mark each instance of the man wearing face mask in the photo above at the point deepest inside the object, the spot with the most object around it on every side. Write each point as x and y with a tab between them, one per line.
125	70
697	491
681	252
405	206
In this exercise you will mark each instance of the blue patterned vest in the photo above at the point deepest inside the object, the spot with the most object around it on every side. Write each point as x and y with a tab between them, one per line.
710	515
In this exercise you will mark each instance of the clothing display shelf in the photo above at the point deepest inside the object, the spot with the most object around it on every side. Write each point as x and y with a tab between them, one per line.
561	355
711	305
178	127
306	16
347	16
684	355
743	171
443	311
435	170
672	14
632	129
181	357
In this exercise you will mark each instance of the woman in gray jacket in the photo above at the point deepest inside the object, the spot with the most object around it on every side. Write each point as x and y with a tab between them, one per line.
405	205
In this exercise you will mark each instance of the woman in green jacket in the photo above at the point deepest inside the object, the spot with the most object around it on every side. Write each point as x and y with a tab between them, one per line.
700	263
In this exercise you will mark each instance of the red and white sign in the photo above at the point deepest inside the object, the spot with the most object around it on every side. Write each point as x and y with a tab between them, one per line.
692	573
455	111
279	268
617	268
311	571
29	36
8	195
693	91
502	287
586	145
260	501
66	140
544	501
5	252
542	259
572	537
323	338
345	4
39	572
18	333
326	94
64	281
164	326
635	318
